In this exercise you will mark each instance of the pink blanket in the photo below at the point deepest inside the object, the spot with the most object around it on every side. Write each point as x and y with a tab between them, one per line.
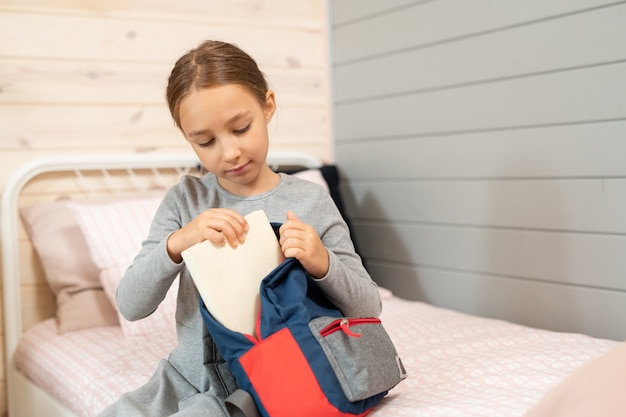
458	365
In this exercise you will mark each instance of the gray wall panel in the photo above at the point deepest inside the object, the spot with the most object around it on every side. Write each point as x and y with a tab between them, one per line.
391	28
482	59
588	206
580	95
596	312
483	150
590	260
587	150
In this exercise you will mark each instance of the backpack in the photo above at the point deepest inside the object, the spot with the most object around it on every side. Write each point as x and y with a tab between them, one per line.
306	359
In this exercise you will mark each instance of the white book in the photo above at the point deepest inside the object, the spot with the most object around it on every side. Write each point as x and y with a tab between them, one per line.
228	279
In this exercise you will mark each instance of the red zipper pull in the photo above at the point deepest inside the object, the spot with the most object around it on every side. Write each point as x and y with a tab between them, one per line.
345	326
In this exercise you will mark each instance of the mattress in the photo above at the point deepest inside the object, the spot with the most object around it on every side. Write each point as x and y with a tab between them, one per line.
458	365
88	369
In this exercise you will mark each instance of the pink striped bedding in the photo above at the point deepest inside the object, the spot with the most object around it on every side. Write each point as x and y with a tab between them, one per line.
458	365
88	369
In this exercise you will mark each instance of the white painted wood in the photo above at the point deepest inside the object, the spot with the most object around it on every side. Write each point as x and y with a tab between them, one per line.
578	150
443	20
585	259
282	13
87	82
586	205
109	39
74	126
484	58
590	94
142	127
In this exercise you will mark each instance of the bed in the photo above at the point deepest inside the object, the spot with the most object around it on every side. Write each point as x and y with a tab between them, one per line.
75	356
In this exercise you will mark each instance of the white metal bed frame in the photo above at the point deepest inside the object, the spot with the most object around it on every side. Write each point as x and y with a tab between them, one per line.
25	399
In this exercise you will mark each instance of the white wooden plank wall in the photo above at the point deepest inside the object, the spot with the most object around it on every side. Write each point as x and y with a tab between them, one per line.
79	76
483	145
91	75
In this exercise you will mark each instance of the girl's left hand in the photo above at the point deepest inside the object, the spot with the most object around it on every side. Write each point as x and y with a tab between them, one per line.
300	240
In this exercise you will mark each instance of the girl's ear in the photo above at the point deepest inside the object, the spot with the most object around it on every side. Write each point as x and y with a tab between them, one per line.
270	106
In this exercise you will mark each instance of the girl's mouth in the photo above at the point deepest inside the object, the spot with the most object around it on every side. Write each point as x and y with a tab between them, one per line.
240	169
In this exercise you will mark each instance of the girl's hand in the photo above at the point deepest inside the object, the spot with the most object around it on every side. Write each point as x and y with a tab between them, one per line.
219	225
300	240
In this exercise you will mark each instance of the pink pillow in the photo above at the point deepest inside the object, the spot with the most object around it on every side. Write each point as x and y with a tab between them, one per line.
68	268
114	233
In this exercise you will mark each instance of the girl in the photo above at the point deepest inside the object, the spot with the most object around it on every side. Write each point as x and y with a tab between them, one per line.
219	100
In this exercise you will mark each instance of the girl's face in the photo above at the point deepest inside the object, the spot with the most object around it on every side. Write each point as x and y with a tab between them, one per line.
227	128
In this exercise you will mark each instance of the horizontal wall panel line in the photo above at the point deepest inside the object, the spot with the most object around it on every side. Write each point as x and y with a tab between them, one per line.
494	80
405	180
131	104
90	60
268	68
379	14
383	263
364	221
418	135
338	62
287	23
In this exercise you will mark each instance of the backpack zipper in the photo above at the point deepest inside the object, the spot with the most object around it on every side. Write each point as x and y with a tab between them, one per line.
344	324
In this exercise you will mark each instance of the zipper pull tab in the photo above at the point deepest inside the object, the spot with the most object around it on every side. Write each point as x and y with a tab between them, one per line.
345	326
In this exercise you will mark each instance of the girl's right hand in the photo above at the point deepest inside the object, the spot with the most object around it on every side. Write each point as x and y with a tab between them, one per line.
219	225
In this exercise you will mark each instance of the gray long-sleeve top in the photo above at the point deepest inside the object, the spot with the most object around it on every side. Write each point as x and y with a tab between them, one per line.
152	272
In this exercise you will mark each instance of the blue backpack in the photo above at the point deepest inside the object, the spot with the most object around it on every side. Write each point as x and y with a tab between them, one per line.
306	359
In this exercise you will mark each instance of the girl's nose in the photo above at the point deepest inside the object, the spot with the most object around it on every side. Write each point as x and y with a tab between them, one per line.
230	150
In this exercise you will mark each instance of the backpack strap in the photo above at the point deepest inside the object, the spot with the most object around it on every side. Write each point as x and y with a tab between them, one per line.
241	404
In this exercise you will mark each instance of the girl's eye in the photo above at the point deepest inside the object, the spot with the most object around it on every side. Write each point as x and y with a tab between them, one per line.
207	143
243	130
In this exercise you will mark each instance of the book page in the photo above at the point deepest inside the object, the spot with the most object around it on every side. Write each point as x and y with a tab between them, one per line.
228	279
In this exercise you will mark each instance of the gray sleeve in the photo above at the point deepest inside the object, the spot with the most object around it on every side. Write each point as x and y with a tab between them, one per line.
146	282
347	284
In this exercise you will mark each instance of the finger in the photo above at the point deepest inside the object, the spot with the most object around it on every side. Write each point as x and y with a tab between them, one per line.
230	216
234	234
226	225
292	216
290	236
215	237
293	252
292	223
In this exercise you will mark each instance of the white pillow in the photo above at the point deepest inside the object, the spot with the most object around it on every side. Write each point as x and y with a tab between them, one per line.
114	233
163	319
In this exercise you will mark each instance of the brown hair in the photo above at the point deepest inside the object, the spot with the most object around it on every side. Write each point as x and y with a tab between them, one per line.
212	64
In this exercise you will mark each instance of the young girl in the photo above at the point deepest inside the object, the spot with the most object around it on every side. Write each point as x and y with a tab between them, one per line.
219	99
